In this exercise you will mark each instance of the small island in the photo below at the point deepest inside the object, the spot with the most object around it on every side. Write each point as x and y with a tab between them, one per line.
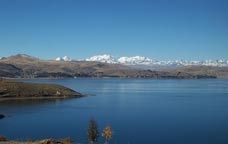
20	90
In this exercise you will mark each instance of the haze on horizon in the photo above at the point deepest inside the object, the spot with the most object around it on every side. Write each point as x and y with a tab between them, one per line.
159	29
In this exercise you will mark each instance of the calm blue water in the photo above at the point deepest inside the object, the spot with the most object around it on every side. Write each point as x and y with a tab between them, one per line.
140	111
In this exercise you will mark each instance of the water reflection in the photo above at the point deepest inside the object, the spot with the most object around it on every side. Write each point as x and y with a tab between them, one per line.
28	102
15	107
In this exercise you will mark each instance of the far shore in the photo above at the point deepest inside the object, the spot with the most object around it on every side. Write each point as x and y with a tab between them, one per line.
58	78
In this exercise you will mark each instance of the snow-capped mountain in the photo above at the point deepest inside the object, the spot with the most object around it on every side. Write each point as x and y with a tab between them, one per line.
103	58
106	58
140	60
136	60
58	59
144	61
65	58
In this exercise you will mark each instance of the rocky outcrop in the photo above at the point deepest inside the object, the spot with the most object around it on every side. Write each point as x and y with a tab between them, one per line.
9	70
2	116
3	140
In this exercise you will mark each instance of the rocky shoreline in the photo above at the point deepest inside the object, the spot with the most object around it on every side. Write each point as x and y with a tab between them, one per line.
4	140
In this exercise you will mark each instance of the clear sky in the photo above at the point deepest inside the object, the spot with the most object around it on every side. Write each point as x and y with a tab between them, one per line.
160	29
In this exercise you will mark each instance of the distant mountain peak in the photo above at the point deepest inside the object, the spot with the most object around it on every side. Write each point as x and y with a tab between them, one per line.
22	56
65	58
135	60
105	58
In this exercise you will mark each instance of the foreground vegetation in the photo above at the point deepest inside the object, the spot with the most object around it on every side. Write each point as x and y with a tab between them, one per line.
92	134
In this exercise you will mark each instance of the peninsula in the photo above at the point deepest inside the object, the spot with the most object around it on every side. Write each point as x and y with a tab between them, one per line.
19	90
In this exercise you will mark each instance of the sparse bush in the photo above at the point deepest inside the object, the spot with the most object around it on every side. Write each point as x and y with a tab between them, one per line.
93	132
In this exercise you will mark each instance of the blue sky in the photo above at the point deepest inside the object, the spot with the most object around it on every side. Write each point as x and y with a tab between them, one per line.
160	29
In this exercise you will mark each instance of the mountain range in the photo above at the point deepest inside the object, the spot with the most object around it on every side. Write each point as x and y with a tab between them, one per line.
25	66
144	61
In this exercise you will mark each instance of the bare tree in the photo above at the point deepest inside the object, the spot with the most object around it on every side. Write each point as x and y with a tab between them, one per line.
107	134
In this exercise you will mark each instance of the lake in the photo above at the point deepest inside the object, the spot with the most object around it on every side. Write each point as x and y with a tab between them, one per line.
140	111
